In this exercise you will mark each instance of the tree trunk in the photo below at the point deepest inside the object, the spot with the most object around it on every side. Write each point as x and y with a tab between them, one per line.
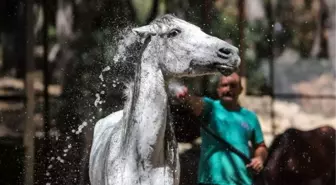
331	30
65	36
132	10
29	132
241	28
316	48
270	37
154	12
12	36
324	16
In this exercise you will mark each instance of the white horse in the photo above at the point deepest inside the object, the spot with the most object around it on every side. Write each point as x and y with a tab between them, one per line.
137	145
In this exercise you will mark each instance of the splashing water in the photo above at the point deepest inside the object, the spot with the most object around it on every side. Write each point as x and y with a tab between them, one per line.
97	101
104	70
80	128
112	58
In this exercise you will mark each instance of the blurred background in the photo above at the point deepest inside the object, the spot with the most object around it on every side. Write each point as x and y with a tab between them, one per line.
58	77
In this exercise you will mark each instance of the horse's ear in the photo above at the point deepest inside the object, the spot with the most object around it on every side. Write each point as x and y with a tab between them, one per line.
144	31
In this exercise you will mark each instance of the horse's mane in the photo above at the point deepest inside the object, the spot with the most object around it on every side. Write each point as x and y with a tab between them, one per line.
165	19
132	47
127	55
129	46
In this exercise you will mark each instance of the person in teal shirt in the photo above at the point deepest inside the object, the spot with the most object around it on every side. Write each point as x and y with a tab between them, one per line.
237	125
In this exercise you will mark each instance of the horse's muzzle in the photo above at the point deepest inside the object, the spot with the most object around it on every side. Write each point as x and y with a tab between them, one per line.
225	69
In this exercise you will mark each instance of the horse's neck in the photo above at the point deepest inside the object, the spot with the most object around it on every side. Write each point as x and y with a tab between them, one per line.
151	105
148	120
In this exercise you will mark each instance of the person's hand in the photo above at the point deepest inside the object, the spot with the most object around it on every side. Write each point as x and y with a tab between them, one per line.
183	93
256	164
178	91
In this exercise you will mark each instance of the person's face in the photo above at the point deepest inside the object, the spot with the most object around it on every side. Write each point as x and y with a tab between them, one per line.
229	88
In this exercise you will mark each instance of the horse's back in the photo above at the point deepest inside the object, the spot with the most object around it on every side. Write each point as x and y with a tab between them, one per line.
105	132
302	155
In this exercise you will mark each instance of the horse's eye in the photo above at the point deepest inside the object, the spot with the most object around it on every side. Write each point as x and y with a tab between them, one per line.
173	33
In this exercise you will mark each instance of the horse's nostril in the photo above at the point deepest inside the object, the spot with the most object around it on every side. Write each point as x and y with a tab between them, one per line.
226	51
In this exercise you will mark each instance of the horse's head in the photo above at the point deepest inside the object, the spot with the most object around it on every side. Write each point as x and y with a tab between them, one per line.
184	49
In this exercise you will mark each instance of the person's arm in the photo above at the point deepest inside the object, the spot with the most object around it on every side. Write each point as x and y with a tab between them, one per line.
194	103
201	107
260	155
260	149
198	105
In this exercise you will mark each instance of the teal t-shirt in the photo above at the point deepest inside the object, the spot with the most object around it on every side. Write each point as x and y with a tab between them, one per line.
217	164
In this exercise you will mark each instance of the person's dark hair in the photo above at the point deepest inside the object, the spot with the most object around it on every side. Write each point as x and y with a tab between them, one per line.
217	80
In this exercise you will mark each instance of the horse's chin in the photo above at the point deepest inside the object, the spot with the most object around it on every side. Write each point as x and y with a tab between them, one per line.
196	73
226	70
196	69
204	72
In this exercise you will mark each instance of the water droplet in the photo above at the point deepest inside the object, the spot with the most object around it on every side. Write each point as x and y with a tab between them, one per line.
107	68
101	77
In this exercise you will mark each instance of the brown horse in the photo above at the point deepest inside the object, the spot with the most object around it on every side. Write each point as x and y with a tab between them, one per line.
301	158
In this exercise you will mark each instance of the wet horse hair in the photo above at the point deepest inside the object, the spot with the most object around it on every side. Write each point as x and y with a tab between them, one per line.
301	157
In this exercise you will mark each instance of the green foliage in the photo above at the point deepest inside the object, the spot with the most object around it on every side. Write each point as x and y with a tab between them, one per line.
52	31
142	9
257	46
225	26
299	21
